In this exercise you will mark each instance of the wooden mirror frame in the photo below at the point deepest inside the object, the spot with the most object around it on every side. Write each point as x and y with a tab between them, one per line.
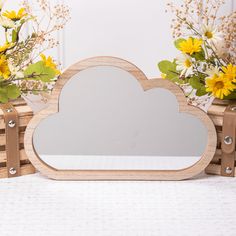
53	107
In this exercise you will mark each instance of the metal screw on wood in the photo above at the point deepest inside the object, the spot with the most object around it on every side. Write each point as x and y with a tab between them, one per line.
11	123
228	170
12	171
9	110
233	108
228	140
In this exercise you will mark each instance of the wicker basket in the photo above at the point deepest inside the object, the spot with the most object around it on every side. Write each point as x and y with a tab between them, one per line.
217	113
25	114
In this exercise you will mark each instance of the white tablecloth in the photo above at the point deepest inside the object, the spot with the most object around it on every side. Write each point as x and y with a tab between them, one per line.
36	206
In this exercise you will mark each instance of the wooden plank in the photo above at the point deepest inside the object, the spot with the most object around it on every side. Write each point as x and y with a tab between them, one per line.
219	139
217	120
3	138
219	136
214	169
23	121
25	170
219	153
217	157
216	110
3	156
22	111
18	102
220	102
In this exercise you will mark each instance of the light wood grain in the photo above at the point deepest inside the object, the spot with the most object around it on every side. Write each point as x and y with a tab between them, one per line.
216	113
21	110
119	174
18	102
217	120
25	170
216	110
3	138
25	114
23	122
3	156
214	169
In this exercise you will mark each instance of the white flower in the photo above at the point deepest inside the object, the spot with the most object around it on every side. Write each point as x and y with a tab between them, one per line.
211	35
212	72
1	4
6	23
185	65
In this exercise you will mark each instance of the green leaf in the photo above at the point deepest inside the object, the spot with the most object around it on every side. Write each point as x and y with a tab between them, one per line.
231	96
39	71
199	56
13	91
177	42
201	91
168	68
195	83
3	95
179	81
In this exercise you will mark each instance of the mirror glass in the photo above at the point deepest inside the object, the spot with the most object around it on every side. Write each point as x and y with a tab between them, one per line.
107	121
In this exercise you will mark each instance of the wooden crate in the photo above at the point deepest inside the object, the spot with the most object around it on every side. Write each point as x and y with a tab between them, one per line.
25	114
216	113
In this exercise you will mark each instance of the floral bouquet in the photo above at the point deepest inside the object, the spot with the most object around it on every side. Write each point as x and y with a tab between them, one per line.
24	68
207	46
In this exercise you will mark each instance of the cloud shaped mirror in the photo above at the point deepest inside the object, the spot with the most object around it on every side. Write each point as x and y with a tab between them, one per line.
106	120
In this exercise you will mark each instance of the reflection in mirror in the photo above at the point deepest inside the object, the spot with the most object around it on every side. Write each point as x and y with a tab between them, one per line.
106	121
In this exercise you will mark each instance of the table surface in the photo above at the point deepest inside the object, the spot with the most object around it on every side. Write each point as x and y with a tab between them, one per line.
34	205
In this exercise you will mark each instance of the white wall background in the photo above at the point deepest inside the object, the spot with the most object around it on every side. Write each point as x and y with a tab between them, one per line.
136	30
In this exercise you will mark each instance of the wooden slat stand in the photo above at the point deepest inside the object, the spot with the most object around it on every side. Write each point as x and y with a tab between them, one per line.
14	118
223	115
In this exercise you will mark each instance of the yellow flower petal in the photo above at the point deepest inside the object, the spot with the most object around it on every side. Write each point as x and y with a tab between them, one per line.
4	68
15	16
191	46
50	63
230	72
220	86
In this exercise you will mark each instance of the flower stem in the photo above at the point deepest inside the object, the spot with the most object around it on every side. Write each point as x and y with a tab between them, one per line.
6	36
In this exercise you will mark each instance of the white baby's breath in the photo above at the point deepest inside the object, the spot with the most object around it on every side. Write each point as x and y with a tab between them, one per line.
15	71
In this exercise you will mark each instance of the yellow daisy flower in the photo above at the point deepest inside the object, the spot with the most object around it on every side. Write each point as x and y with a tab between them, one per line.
4	68
5	47
15	16
219	86
230	72
50	63
191	45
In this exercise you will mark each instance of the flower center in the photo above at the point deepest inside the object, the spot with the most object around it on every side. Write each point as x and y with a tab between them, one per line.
188	63
219	85
209	34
